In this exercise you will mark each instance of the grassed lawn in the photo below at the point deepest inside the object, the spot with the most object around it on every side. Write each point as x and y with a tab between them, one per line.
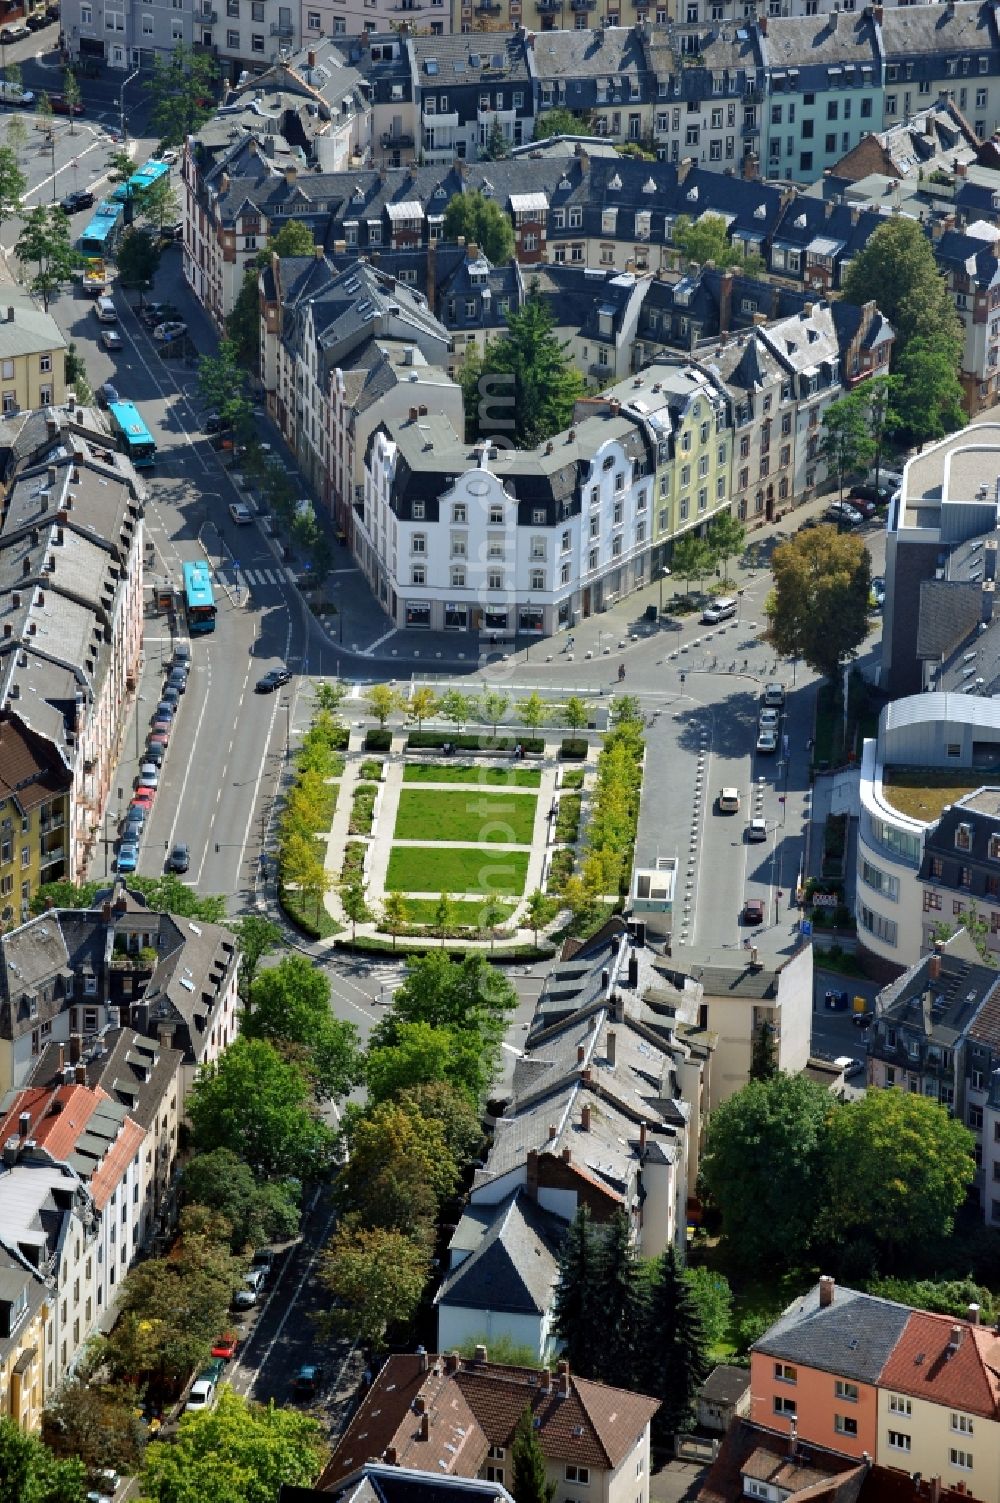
503	777
439	869
922	792
421	911
573	777
302	911
485	818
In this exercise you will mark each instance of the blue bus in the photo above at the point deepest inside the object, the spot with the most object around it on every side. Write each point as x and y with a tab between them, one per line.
144	177
134	438
101	235
199	597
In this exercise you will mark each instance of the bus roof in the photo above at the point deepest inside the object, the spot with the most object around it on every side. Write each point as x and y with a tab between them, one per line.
198	583
128	419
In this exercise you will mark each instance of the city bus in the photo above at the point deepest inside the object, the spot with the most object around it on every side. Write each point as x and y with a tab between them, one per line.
199	598
101	235
134	438
144	177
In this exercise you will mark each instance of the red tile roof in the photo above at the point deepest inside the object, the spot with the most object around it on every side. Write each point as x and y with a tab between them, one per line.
810	1473
115	1162
57	1117
929	1364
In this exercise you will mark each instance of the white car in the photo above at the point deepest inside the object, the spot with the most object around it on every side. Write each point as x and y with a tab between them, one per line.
112	340
164	333
240	513
756	831
767	740
169	156
201	1396
770	719
149	775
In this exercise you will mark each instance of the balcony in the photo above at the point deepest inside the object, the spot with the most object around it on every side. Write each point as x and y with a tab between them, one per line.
282	29
487	8
579	5
549	7
391	142
750	130
207	18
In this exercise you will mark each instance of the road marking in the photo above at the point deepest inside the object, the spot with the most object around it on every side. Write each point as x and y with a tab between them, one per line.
162	392
379	640
290	1303
293	691
191	761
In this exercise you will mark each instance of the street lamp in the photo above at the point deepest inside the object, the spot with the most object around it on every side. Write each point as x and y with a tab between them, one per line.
287	707
121	104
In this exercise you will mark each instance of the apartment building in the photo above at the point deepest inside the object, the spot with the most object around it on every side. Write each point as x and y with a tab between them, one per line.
122	36
32	357
709	93
24	1316
955	51
603	76
464	91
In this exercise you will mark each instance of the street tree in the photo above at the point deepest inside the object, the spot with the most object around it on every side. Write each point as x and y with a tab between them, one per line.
444	916
896	269
45	113
560	122
376	1276
243	325
449	1106
929	400
674	1360
574	1312
726	538
469	995
399	1169
182	90
329	694
222	386
168	894
491	916
881	415
530	366
303	869
483	223
764	1169
138	258
76	375
421	1055
532	711
121	170
818	609
29	1473
17	130
422	705
846	444
707	239
395	914
620	1305
457	708
763	1053
529	1472
899	1167
382	702
72	96
576	713
258	936
692	559
13	184
538	910
492	706
159	204
259	1105
236	1452
290	1004
256	1210
96	1422
44	244
355	905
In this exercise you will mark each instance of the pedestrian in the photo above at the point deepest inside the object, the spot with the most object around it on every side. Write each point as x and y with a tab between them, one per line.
621	672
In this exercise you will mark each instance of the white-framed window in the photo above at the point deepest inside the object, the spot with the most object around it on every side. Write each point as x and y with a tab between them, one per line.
537	579
418	574
418	542
147	25
458	577
494	579
86	15
898	1440
459	512
579	1474
176	29
961	1423
314	21
960	1459
114	20
419	511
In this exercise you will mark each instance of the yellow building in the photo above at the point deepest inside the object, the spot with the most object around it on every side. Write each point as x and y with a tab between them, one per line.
32	357
34	818
23	1316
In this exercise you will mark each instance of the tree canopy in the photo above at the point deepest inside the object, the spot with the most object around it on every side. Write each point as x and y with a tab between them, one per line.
560	122
376	1276
929	397
896	269
482	222
29	1473
818	609
707	239
138	258
243	324
290	1005
44	243
182	89
256	1210
525	382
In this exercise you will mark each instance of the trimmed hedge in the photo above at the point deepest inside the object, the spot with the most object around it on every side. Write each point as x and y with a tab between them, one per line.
367	945
573	749
532	746
378	740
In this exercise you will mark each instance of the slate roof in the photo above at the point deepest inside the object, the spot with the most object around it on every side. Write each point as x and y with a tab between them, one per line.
830	39
454	55
515	1266
391	1484
907	31
29	332
942	1010
853	1336
947	1362
725	1384
134	1071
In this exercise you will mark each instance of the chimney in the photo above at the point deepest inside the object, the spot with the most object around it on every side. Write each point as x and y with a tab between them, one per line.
531	1174
960	169
585	1116
973	1314
418	1403
75	1048
581	1053
562	1368
291	173
725	300
62	1066
762	23
610	1045
935	1488
389	1456
545	1380
311	59
472	251
452	1362
553	1132
934	963
51	474
567	1155
425	1427
642	1137
633	970
480	1354
81	1074
826	1288
955	1342
23	1123
424	1360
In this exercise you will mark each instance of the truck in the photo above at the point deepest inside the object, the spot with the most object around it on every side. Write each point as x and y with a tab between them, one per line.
95	277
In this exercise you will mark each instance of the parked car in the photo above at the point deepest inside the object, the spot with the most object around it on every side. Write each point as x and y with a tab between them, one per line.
157	313
878	495
106	394
133	823
240	513
272	680
168	332
144	796
177	679
35	22
767	739
247	1295
171	695
843	515
80	198
201	1397
214	1371
182	655
756	831
226	1346
13	33
729	801
170	155
753	911
307	1380
774	694
179	859
165	707
128	856
61	105
215	424
112	340
770	718
264	1258
155	752
149	775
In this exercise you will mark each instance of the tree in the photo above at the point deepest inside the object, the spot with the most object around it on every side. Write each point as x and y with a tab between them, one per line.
899	1167
496	146
383	700
674	1359
619	1306
257	1210
44	243
576	714
726	539
243	325
257	1104
258	936
422	705
764	1169
168	894
329	695
13	184
975	926
303	868
763	1055
575	1303
395	914
182	87
818	609
354	904
444	916
882	418
457	708
896	269
483	223
538	910
692	558
492	706
376	1277
222	386
846	444
529	1476
560	122
17	131
29	1473
45	113
533	366
449	1106
238	1452
491	916
72	96
532	711
159	204
76	375
714	1298
929	400
398	1171
290	1004
707	239
95	1422
469	995
138	258
421	1055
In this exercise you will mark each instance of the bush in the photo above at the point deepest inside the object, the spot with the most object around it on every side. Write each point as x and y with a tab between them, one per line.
367	945
561	868
353	868
363	809
435	740
568	817
371	770
378	740
573	777
573	749
302	913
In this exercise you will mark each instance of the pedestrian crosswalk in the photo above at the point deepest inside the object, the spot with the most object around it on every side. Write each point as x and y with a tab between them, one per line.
276	576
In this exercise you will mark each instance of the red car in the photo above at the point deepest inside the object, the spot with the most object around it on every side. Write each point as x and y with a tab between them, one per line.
144	796
753	911
225	1347
61	105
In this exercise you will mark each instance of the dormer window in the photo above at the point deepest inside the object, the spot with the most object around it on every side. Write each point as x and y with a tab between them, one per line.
963	837
615	184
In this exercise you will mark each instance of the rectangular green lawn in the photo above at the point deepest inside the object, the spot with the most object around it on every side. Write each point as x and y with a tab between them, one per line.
480	818
421	911
438	869
463	772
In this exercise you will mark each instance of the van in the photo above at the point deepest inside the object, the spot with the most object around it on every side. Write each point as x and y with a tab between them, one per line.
12	93
106	310
719	610
729	801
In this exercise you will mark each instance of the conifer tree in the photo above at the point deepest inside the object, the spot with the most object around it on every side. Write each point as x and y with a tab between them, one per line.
618	1318
574	1310
673	1362
529	1483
